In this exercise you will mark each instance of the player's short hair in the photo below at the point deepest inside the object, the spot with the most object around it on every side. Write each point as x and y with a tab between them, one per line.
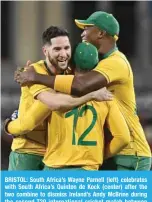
52	32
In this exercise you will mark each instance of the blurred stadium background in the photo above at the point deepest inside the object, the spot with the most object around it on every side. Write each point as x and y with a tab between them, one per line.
22	24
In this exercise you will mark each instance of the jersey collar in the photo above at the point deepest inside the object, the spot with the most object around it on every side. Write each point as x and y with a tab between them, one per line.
51	73
110	52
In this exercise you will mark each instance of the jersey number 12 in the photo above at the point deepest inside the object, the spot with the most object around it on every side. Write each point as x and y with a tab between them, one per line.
76	113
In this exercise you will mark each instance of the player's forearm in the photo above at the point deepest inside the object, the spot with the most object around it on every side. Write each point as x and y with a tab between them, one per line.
116	145
34	116
15	128
62	102
89	82
75	85
67	102
80	85
44	79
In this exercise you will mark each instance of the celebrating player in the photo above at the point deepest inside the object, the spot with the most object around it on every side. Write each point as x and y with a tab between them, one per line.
113	71
28	149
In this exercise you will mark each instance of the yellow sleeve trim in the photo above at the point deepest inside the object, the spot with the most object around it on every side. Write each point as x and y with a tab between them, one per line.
105	75
40	91
63	83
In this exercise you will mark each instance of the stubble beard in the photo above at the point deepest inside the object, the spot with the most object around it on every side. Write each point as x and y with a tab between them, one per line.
58	68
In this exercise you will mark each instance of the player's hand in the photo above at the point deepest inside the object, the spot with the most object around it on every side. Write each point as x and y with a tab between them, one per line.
26	77
19	70
28	63
102	95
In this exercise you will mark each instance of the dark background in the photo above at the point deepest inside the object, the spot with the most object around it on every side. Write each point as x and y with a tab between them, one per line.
22	24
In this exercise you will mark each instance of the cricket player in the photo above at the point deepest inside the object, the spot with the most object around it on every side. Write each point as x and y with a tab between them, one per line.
29	149
113	71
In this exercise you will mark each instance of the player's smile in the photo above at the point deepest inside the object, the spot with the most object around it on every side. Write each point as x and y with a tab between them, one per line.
62	60
63	63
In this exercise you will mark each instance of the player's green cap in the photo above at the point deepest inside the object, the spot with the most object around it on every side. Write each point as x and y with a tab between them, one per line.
86	56
104	21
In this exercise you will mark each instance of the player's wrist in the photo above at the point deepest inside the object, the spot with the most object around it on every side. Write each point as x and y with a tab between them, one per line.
92	96
37	78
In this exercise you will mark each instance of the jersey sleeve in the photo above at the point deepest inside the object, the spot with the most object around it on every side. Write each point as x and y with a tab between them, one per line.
35	89
119	130
36	114
113	70
63	83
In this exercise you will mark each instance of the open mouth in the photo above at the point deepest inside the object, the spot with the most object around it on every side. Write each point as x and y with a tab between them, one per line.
62	61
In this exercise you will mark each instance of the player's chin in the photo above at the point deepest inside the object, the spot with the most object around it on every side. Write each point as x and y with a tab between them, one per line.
63	67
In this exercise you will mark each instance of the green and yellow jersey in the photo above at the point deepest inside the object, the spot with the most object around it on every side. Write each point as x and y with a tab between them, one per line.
76	138
116	68
33	142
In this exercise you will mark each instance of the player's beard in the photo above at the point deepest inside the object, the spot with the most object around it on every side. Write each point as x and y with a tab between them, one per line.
59	66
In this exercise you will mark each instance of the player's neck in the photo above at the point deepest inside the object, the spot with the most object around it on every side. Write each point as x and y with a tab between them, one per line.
106	47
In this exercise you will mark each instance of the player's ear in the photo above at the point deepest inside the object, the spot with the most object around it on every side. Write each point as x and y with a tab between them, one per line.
102	34
44	49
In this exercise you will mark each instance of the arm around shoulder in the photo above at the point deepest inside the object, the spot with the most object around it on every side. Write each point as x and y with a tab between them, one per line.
62	102
87	83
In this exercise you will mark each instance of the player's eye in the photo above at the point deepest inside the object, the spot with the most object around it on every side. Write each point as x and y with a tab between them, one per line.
57	48
67	47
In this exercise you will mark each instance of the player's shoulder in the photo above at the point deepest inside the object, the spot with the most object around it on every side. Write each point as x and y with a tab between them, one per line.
117	58
40	67
39	63
121	57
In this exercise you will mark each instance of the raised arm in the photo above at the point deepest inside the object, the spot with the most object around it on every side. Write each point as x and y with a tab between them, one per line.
119	130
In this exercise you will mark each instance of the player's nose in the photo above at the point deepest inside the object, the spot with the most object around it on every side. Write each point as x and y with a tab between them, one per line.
83	34
63	54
